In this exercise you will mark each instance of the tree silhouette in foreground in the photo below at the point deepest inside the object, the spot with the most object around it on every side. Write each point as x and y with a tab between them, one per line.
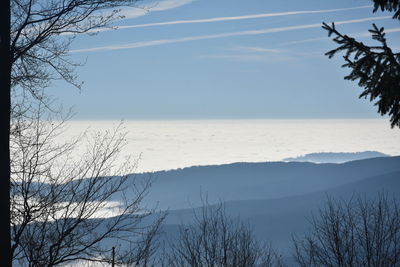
5	105
217	240
360	232
377	68
34	43
59	199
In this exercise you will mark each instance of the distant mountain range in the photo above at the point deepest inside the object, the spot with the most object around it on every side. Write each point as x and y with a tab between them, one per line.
275	198
277	220
336	157
182	188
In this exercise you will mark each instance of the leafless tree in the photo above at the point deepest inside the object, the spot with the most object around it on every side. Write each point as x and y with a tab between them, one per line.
359	232
35	36
67	208
146	254
216	239
41	34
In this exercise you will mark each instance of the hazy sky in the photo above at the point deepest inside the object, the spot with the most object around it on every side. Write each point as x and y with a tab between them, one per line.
184	59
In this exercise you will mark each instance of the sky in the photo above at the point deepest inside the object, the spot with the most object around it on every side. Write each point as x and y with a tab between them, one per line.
222	59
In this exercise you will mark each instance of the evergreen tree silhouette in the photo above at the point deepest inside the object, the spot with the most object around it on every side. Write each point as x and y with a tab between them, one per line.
376	68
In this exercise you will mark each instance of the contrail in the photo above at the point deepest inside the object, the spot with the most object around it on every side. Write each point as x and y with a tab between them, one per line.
220	35
255	16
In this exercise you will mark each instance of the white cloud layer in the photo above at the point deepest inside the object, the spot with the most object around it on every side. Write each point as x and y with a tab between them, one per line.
219	35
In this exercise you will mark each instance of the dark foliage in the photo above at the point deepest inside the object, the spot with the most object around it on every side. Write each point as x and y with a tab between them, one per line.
376	68
389	5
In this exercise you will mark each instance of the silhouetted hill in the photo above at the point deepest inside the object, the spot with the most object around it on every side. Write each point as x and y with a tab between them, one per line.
248	181
275	198
336	157
276	220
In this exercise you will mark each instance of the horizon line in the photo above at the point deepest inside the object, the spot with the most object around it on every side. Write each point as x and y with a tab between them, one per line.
227	119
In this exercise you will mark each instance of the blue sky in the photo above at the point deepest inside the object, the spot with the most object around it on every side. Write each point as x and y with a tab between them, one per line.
222	59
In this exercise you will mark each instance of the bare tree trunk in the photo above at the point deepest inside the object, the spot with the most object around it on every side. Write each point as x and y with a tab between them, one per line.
5	84
113	257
